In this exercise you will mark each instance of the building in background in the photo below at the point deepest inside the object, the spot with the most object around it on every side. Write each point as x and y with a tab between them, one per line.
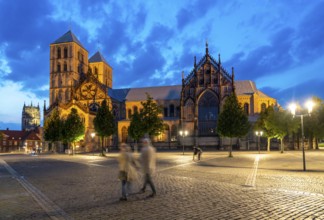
30	119
77	81
23	141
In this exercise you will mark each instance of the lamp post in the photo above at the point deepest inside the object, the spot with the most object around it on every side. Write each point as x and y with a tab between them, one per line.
183	134
259	134
293	107
92	137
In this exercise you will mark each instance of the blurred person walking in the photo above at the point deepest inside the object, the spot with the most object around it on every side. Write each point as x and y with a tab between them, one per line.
148	162
127	171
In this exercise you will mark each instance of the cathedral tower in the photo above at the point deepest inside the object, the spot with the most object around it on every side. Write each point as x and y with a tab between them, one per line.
30	117
68	63
101	69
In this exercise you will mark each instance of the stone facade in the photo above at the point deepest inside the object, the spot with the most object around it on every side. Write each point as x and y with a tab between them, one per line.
82	83
30	118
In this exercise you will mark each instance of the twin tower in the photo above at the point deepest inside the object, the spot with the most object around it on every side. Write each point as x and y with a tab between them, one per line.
69	65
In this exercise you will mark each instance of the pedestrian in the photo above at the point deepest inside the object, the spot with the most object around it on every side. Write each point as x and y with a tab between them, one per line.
196	152
148	162
127	171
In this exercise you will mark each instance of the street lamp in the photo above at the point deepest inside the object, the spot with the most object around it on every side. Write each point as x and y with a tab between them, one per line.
183	134
92	138
293	107
259	134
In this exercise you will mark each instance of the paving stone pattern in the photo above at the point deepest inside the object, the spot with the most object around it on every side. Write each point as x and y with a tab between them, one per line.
86	187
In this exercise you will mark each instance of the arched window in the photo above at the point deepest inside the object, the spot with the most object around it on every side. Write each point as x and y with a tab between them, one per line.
58	68
96	71
263	107
189	110
67	95
207	114
59	53
178	111
246	108
171	110
124	134
65	67
165	111
174	133
135	109
65	52
129	113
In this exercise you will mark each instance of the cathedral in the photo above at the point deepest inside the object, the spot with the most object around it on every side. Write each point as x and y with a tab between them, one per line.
30	119
77	81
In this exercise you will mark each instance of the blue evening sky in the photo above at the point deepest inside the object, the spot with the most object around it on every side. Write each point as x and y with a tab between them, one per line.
278	44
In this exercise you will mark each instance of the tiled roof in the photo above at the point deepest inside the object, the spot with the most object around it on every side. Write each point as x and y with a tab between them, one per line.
20	135
68	37
118	94
97	57
157	93
244	87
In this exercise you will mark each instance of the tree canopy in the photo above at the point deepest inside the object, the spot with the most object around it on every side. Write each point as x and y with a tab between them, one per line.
53	127
73	128
136	128
149	115
104	122
232	121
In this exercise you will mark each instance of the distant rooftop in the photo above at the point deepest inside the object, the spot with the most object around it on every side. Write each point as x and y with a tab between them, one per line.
68	37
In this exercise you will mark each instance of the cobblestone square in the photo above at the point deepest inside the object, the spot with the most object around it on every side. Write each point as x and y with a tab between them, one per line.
247	186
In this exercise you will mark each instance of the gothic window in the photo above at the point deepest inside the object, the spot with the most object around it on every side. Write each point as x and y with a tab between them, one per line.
65	67
215	81
189	110
58	68
135	109
124	134
246	108
174	133
201	82
207	114
67	95
178	111
171	110
129	113
59	53
263	107
165	111
115	111
96	71
65	52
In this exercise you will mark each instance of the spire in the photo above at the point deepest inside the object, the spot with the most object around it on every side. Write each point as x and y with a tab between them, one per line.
219	59
233	84
31	103
206	47
38	105
44	105
183	80
195	64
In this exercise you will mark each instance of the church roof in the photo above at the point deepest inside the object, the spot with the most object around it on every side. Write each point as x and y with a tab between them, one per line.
68	37
244	87
97	57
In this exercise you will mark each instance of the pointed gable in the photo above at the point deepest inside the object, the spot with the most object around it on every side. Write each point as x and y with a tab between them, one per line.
68	37
98	57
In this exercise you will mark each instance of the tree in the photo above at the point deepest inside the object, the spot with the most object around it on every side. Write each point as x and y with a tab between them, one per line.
136	128
150	120
281	123
260	125
104	123
232	121
73	128
53	128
